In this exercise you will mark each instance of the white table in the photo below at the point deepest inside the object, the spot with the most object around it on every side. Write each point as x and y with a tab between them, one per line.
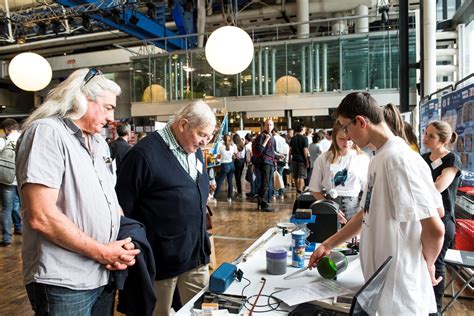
254	268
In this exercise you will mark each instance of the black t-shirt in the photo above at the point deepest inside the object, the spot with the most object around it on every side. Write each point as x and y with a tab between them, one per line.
298	143
448	195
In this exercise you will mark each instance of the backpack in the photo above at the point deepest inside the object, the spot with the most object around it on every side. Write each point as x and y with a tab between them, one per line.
7	163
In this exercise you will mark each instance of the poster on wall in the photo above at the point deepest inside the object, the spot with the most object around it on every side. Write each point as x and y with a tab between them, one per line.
429	111
457	109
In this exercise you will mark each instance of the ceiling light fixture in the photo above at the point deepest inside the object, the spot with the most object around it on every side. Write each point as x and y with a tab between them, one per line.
56	26
229	49
133	19
30	71
151	12
86	21
41	28
116	12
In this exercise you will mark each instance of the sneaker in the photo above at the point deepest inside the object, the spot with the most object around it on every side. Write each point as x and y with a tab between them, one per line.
17	232
281	197
5	244
229	200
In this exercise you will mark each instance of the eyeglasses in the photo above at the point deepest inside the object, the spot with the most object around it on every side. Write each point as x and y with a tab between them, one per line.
345	126
91	74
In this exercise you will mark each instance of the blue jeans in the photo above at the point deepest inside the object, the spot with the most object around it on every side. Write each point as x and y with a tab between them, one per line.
56	300
10	207
227	171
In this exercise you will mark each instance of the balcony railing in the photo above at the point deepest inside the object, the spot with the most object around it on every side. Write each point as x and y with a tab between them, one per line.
364	61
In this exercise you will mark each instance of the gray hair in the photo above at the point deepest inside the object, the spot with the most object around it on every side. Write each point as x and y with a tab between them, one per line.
69	98
197	113
123	129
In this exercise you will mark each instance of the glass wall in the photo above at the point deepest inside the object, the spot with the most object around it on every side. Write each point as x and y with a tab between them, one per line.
350	62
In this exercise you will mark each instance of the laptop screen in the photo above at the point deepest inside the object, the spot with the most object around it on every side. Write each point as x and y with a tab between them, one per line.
366	300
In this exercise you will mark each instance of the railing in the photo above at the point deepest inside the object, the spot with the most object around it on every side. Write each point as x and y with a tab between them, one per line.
341	62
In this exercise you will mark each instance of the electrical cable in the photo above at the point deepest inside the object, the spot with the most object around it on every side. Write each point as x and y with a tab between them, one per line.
249	282
272	306
263	280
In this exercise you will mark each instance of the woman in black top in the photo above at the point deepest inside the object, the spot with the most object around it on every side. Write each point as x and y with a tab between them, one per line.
446	171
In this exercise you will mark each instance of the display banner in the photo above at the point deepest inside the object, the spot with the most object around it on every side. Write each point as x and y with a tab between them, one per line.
457	109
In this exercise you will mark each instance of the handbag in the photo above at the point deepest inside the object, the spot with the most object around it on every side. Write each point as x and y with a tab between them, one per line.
249	174
208	217
278	181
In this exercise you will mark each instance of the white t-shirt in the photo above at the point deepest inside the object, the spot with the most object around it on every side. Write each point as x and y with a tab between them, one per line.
280	143
325	144
241	154
227	155
347	175
401	193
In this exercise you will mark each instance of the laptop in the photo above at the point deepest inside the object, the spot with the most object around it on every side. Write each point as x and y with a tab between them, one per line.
364	302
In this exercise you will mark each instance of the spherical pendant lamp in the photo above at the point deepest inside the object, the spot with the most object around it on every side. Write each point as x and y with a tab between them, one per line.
30	71
229	50
154	93
287	84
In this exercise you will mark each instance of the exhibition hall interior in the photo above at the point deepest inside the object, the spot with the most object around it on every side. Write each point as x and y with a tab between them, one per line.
235	144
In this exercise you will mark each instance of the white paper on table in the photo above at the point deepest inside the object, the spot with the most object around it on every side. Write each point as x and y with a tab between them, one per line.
453	256
313	291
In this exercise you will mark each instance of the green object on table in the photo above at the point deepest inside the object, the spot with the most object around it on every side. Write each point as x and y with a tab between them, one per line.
331	265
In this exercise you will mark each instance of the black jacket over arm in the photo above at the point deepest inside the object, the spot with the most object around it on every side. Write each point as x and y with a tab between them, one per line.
136	295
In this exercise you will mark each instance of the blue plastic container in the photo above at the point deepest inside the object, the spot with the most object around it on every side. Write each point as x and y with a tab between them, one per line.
299	247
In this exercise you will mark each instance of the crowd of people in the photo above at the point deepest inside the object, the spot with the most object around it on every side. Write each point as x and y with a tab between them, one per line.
92	210
260	155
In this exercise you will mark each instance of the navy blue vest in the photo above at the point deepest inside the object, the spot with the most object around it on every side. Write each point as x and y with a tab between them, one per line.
153	188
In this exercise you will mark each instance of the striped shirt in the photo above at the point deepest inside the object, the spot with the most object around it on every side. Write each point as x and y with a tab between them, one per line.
187	161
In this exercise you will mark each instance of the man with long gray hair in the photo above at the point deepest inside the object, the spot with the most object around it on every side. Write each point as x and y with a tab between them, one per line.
163	183
70	209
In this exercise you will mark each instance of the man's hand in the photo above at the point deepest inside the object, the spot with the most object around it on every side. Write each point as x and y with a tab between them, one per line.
434	281
341	218
320	252
119	255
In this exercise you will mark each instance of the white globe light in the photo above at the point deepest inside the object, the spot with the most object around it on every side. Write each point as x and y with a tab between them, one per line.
229	50
30	71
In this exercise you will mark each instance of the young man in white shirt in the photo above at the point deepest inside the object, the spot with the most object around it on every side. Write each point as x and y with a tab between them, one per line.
399	216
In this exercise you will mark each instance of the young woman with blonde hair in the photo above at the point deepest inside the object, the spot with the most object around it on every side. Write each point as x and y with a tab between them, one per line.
341	172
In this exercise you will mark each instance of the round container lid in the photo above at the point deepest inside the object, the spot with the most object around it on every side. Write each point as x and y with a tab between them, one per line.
298	233
276	253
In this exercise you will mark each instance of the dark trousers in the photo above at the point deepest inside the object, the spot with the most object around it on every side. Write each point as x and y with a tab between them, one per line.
239	168
450	229
266	176
255	184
